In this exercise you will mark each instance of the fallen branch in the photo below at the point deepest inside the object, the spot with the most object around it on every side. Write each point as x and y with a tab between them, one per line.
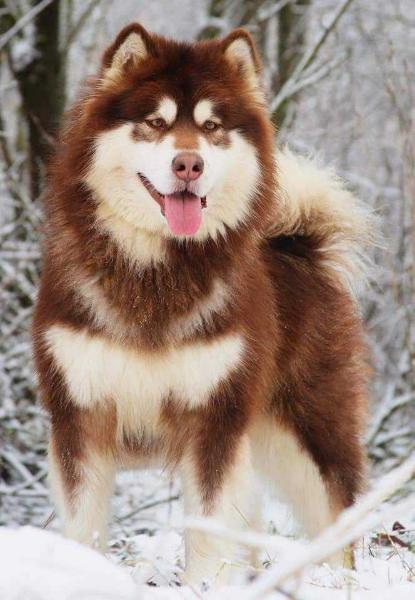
350	525
251	539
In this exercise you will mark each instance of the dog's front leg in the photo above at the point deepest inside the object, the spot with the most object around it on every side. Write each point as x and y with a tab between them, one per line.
81	470
217	483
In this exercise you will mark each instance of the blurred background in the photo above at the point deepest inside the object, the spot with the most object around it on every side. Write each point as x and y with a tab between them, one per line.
340	78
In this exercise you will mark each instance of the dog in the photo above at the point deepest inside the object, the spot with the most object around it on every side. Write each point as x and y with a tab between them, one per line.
197	301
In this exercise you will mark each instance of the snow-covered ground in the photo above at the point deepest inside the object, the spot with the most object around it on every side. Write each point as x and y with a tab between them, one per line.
146	554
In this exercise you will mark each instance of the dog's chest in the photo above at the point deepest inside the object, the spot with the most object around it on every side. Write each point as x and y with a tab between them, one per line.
97	370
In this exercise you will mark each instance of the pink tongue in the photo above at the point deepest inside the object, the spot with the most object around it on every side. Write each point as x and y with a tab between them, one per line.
183	212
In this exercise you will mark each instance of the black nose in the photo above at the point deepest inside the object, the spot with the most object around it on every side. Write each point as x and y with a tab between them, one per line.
188	166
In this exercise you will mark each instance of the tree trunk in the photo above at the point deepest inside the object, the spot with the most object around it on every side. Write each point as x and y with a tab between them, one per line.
42	88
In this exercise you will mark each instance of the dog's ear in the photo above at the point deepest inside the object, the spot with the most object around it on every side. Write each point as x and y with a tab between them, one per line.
132	46
239	49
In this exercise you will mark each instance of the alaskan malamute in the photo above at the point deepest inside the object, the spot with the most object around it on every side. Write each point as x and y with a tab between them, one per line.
196	307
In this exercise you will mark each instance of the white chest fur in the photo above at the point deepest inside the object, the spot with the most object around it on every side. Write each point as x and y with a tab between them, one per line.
97	370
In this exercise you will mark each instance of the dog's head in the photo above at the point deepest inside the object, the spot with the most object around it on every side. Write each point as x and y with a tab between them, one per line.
181	137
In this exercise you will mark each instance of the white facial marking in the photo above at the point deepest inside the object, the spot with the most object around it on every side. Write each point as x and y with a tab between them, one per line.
166	110
228	181
98	370
203	111
232	176
114	180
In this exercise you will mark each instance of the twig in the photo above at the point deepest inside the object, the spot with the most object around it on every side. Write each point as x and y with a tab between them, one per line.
17	321
389	436
323	547
395	542
14	491
4	146
25	20
386	411
264	14
41	493
317	74
77	27
17	465
49	139
49	520
149	505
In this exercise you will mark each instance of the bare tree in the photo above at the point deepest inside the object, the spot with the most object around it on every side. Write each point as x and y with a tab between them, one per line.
41	77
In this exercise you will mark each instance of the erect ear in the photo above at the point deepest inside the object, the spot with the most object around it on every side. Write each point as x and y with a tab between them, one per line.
239	49
132	46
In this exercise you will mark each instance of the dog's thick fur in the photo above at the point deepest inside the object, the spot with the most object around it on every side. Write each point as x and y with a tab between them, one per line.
234	352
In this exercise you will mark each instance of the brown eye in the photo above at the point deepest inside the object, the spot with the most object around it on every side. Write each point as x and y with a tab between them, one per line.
157	123
210	125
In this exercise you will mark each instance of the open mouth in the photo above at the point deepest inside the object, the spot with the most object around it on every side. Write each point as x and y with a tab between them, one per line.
182	210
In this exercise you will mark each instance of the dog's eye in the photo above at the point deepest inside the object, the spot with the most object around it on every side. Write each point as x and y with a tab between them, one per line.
210	125
157	123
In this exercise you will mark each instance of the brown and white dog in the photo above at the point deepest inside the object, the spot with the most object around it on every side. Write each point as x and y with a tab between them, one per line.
196	306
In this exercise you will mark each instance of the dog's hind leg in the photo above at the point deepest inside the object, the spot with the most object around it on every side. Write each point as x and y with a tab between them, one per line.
316	498
81	474
295	476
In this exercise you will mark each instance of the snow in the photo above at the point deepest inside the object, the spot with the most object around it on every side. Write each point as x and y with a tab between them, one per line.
40	565
146	554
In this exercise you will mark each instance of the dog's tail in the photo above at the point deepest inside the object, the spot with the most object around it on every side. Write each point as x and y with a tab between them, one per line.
316	211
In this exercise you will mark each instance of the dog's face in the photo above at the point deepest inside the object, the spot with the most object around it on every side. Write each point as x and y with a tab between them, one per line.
179	150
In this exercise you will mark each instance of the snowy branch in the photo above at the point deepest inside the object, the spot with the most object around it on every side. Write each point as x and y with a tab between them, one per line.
291	85
350	525
25	20
265	14
385	411
78	26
